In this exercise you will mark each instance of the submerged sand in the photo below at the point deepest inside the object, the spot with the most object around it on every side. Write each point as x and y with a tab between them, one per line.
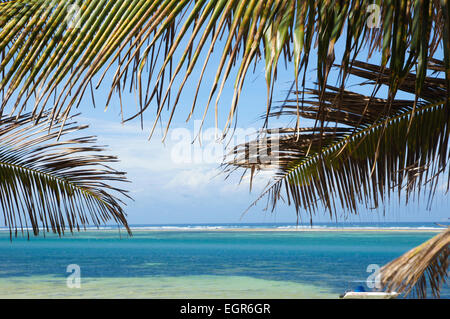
180	287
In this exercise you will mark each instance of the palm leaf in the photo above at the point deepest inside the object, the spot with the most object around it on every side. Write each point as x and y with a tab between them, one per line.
55	185
421	267
67	44
367	148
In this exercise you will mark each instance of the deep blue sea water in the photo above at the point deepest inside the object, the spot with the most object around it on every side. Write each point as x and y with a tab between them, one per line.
196	261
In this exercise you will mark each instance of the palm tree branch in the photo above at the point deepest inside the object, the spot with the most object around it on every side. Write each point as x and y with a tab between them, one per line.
61	180
48	44
428	262
308	164
56	178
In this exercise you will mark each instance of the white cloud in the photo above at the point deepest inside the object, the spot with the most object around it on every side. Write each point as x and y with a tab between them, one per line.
193	178
152	169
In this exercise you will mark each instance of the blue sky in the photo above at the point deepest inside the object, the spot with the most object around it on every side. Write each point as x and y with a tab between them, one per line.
169	192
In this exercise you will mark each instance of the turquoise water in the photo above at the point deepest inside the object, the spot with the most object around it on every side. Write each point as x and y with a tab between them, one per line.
198	264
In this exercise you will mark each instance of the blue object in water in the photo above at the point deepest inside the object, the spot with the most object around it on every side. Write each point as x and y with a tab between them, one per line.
360	289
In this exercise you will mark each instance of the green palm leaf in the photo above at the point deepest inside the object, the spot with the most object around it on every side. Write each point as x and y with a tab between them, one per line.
56	185
65	44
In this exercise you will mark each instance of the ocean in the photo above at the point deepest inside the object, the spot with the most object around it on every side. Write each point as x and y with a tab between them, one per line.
204	261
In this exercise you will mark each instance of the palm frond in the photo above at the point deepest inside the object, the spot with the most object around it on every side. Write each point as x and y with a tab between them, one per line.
367	148
421	267
65	44
55	185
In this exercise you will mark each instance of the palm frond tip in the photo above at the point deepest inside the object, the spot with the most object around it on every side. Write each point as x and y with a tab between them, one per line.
423	266
56	185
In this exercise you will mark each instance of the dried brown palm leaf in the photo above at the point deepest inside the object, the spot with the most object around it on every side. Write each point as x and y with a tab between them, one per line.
55	186
425	266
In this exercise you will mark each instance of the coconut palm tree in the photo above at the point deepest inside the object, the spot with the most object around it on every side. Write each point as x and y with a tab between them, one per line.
59	47
55	185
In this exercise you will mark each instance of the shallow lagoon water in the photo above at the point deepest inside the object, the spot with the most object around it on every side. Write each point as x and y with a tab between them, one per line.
178	287
198	264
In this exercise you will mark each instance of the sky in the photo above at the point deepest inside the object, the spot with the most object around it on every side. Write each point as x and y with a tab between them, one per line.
168	189
171	189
